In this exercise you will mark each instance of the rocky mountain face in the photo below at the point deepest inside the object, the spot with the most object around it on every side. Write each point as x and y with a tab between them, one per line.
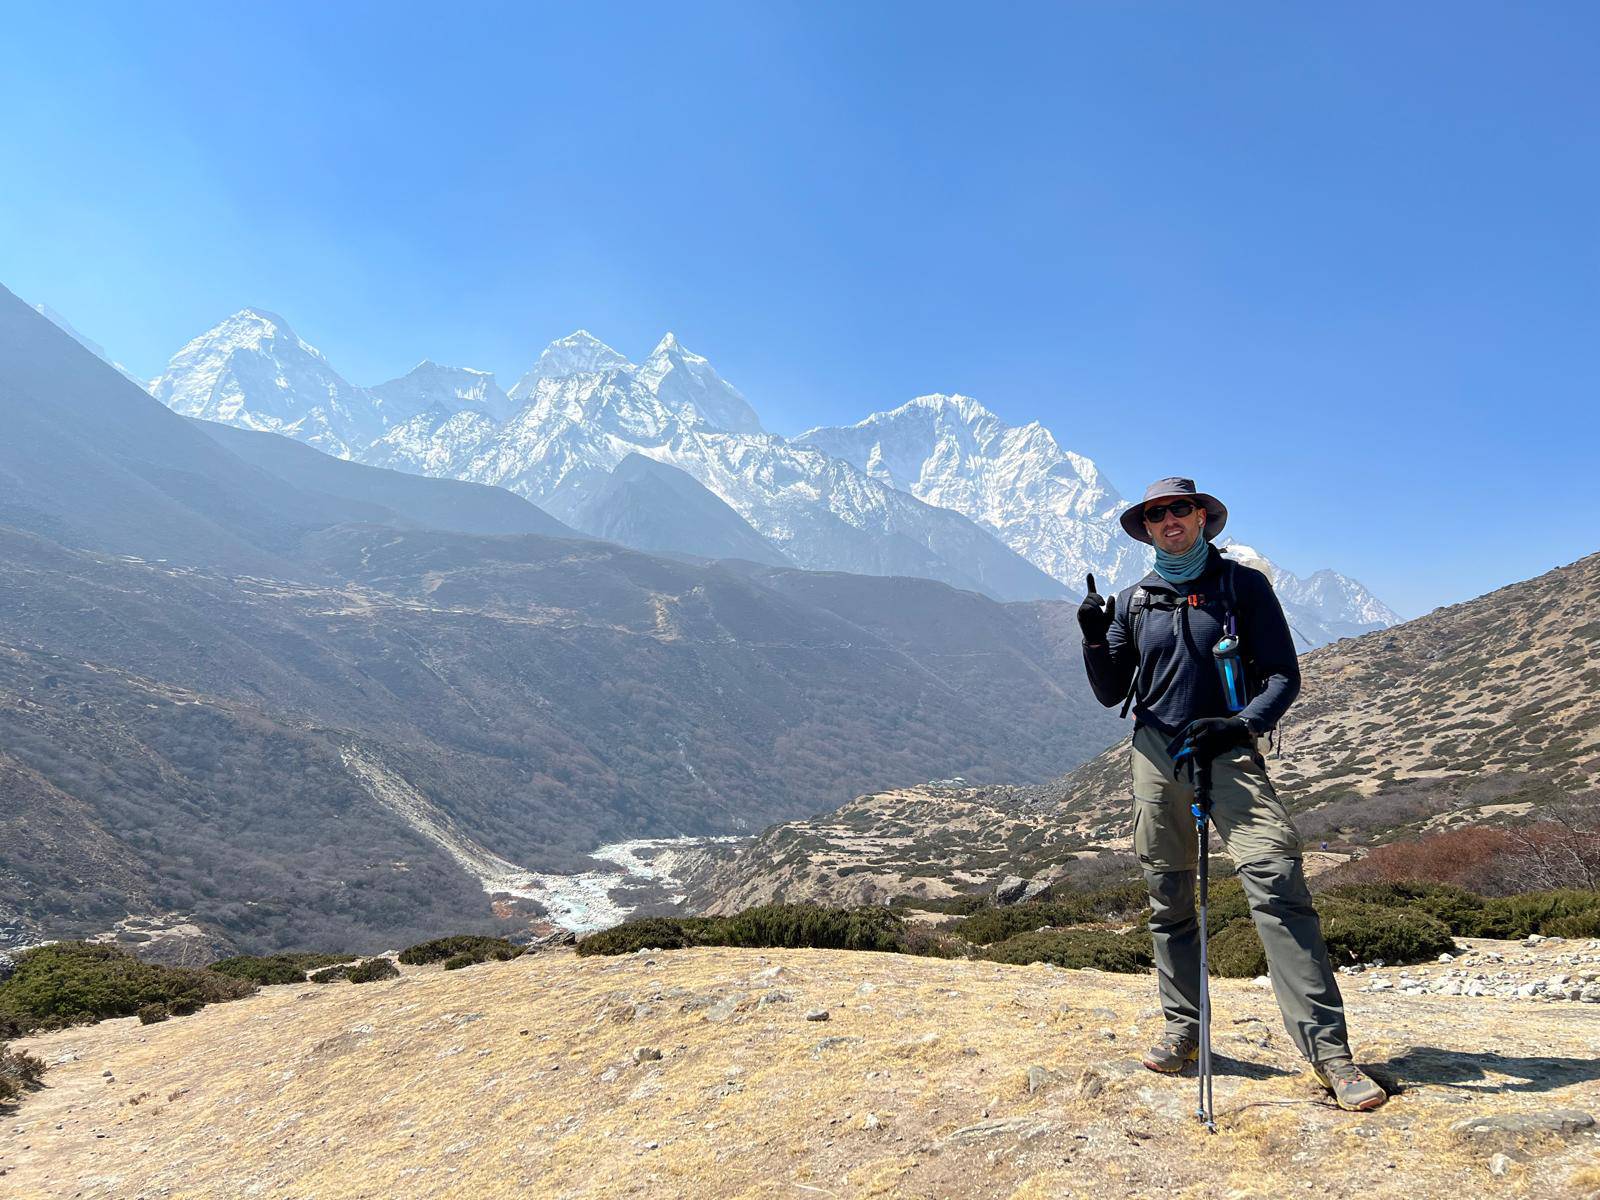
939	488
304	702
1321	608
1483	711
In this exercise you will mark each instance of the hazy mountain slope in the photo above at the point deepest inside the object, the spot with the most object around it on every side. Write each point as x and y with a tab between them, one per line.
434	503
654	507
546	695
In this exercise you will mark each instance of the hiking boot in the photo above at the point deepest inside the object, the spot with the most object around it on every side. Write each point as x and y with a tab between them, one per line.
1352	1087
1172	1053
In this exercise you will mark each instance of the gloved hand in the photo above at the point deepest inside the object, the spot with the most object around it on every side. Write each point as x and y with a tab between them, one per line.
1095	615
1204	739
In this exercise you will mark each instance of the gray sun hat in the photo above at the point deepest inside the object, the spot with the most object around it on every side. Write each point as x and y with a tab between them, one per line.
1133	515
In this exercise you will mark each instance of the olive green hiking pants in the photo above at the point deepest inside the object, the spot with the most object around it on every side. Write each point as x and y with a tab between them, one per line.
1260	838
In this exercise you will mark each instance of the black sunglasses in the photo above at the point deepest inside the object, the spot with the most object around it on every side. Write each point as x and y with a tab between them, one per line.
1178	508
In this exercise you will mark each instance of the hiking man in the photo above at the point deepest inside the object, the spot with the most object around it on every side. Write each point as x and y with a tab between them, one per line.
1152	644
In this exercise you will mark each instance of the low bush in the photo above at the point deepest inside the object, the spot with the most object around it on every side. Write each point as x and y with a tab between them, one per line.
814	926
1565	913
275	968
331	974
1103	949
1354	933
457	961
961	906
151	1014
1458	908
372	970
475	947
75	983
991	925
646	933
19	1071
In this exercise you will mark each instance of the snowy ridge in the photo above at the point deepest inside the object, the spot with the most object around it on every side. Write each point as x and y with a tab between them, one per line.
939	487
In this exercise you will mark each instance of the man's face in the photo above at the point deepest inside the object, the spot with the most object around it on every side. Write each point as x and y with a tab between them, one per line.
1174	534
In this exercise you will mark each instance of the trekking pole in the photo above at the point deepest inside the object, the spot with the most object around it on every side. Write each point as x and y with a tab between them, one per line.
1201	808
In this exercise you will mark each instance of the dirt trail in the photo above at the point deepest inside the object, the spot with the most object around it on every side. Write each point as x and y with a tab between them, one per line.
520	1080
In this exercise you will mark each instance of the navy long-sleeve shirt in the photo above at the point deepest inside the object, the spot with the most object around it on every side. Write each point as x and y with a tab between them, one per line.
1178	680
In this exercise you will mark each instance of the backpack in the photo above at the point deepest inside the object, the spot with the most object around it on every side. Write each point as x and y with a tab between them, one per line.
1143	600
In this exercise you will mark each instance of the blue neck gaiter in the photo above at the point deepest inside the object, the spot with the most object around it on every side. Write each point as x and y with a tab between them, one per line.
1180	568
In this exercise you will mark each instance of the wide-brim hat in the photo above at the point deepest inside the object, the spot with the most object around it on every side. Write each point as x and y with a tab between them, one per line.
1216	510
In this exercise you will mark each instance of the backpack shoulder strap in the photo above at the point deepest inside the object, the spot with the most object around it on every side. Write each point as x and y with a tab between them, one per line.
1138	603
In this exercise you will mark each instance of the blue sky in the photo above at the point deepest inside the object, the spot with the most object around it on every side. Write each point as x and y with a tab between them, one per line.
1337	262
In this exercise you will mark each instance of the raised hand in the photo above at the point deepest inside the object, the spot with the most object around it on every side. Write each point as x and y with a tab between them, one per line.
1095	615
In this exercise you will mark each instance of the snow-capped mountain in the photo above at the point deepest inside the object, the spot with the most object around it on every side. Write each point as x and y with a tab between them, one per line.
1049	505
253	371
1323	607
939	487
1052	507
429	386
581	411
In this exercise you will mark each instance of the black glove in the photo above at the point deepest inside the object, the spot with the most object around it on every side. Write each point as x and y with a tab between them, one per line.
1204	739
1095	614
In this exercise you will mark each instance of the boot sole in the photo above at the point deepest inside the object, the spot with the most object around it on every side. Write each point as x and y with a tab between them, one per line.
1169	1070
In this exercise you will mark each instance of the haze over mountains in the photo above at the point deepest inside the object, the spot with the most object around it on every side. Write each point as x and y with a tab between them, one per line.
939	488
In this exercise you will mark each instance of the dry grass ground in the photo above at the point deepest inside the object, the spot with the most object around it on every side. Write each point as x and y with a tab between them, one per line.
520	1079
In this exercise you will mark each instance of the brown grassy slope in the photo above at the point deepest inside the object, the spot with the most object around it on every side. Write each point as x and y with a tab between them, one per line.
519	1079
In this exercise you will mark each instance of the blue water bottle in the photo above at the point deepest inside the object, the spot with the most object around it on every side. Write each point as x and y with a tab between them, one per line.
1230	668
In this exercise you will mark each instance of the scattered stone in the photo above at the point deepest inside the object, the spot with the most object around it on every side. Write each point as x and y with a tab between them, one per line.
1500	1164
871	1121
1041	1077
1024	1129
643	1054
833	1043
1264	982
867	988
1507	1130
817	1014
1010	889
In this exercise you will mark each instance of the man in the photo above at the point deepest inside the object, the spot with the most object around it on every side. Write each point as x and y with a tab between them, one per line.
1159	645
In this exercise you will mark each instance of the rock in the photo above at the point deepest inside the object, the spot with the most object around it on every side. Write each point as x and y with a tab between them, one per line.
1041	1077
1511	1128
867	988
1499	1165
1380	985
1024	1129
1447	957
833	1043
1010	889
817	1014
871	1121
646	1054
1264	982
775	996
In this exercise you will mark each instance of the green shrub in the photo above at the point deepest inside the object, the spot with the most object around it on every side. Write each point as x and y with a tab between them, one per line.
991	925
1104	949
73	983
814	926
150	1014
1354	933
962	905
1461	910
330	974
1564	913
475	947
457	961
275	968
1235	952
646	933
372	970
18	1072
